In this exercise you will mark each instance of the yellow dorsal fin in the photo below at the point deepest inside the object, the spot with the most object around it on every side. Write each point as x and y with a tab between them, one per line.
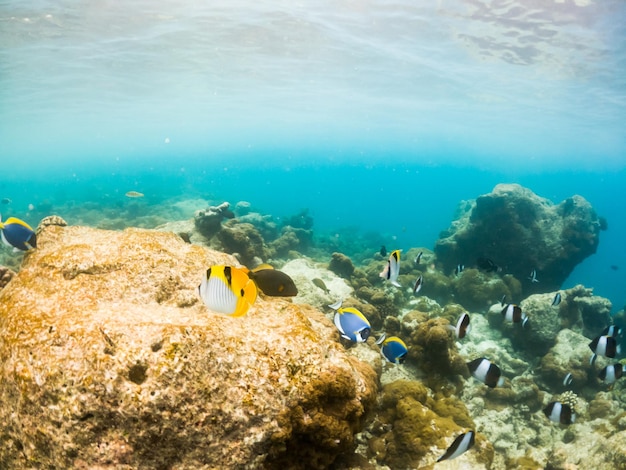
262	266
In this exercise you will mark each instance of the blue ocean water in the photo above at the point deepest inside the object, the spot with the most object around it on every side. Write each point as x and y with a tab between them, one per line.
376	116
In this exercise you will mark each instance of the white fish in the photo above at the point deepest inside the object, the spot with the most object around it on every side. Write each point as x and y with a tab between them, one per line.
392	269
461	444
418	284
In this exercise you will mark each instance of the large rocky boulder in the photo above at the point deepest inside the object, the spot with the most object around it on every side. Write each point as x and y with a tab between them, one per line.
108	359
521	231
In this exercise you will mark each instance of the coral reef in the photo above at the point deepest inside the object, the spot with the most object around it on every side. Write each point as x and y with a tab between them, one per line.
209	221
411	422
341	265
521	231
243	241
242	208
300	220
108	359
476	290
579	311
570	354
304	271
290	239
432	348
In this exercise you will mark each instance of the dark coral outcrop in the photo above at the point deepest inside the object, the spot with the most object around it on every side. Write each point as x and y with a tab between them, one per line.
521	231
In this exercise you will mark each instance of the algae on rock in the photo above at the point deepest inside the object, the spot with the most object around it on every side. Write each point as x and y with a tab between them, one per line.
109	359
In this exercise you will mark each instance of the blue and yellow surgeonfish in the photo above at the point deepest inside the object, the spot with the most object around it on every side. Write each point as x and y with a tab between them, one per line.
18	234
228	289
352	324
394	350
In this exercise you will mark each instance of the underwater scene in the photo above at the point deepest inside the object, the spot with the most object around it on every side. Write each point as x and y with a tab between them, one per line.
313	235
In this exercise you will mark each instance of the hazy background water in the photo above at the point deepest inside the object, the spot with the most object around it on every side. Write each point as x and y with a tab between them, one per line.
376	115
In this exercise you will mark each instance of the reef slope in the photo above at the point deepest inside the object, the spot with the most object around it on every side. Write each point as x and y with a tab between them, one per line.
108	359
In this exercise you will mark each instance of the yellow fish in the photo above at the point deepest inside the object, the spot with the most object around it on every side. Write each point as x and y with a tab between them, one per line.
227	289
134	194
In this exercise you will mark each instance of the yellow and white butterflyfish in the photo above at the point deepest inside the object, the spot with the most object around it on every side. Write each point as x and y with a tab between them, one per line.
228	290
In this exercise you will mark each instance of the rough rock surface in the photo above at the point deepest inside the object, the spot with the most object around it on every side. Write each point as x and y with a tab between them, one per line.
108	359
303	272
521	231
570	354
209	221
579	311
6	274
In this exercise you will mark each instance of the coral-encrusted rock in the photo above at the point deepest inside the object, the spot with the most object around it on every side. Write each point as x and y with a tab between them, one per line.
341	265
209	221
413	424
108	359
521	231
6	274
51	220
570	354
579	311
244	241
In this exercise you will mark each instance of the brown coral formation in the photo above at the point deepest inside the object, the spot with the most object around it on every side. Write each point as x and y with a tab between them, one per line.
341	265
109	360
413	423
209	221
431	346
244	241
6	274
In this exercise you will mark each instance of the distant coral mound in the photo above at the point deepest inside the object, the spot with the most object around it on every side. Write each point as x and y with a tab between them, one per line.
520	232
108	359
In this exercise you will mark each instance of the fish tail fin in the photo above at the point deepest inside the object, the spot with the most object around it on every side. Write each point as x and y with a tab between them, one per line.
336	305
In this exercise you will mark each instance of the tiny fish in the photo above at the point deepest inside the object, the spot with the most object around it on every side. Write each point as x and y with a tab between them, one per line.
557	299
319	283
486	372
5	200
392	269
418	258
459	269
462	443
503	301
568	379
134	194
418	284
533	276
614	267
486	264
383	251
558	412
